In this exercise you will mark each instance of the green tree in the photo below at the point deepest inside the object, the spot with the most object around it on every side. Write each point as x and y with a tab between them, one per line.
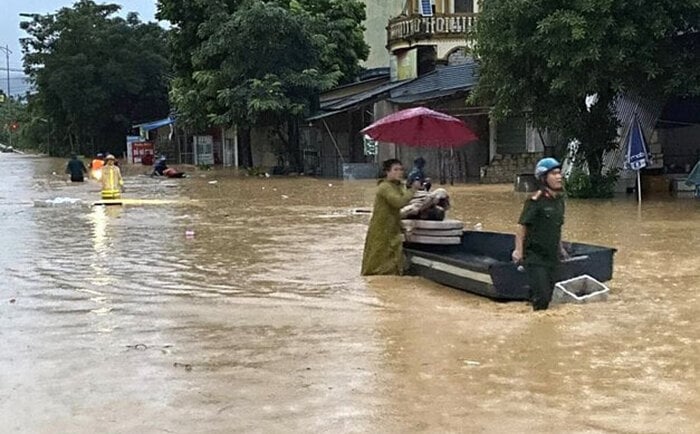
254	63
13	118
336	25
95	74
543	57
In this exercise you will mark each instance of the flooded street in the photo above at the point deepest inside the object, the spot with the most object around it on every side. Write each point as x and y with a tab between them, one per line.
112	320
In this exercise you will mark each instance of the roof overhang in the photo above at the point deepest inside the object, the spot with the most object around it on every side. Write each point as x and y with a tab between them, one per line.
148	126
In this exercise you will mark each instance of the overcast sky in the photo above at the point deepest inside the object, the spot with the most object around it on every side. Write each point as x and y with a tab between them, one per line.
10	31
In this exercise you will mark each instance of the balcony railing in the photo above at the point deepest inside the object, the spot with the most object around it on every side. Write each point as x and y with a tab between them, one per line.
417	27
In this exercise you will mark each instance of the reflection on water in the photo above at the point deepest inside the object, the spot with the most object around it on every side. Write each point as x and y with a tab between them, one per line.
261	322
99	219
99	266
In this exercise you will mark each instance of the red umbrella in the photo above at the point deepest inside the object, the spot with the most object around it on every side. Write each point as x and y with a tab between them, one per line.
421	127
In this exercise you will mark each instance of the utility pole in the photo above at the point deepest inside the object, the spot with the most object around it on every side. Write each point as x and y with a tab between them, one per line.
6	48
7	51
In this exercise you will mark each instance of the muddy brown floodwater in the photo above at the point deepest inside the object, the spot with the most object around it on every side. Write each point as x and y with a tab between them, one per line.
113	320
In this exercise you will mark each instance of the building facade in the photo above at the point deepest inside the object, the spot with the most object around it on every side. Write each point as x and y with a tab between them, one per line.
378	14
427	34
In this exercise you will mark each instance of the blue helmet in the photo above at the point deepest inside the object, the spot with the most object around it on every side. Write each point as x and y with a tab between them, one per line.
546	165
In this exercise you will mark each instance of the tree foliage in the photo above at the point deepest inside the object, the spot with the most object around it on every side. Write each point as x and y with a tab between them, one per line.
337	26
251	63
95	74
12	113
543	57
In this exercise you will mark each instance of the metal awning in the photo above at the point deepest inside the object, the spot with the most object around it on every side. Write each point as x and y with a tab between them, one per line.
148	126
351	102
427	96
322	115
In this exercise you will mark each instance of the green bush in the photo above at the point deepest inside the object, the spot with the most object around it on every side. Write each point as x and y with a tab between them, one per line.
582	185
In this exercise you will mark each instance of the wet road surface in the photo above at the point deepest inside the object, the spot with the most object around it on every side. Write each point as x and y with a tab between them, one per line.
113	320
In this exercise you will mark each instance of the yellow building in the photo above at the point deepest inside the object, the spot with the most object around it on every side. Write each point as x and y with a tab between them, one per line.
411	40
429	33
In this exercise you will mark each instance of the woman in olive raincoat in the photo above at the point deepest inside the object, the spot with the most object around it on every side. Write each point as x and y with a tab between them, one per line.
383	253
111	179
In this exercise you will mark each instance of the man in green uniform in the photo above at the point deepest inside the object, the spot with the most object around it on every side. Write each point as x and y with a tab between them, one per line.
538	239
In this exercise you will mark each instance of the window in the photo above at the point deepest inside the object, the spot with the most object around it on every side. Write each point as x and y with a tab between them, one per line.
425	7
464	6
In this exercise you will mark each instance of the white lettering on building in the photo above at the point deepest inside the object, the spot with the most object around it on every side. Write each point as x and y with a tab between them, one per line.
423	26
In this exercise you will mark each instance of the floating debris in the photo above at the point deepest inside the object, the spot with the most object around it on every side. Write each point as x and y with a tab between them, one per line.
361	211
58	202
187	366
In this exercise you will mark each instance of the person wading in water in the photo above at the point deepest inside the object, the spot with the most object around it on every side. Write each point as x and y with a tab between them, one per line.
538	238
77	169
112	183
383	252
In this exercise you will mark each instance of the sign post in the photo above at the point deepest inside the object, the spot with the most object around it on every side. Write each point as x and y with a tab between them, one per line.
637	154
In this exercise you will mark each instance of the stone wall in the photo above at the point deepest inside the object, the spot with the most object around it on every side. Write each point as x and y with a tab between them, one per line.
504	168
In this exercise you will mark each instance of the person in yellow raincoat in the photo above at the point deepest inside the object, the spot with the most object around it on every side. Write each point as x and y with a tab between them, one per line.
383	245
111	179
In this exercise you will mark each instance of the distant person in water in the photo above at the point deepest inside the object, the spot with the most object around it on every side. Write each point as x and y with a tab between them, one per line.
77	169
417	173
112	183
162	169
96	166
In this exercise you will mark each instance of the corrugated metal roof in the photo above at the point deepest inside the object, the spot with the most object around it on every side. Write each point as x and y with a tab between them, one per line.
339	105
626	107
361	97
320	115
426	96
444	81
355	83
441	82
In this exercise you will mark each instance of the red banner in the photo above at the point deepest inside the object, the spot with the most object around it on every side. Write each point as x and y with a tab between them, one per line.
139	150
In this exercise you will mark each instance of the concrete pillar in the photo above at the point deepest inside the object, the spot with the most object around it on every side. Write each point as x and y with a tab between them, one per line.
493	143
